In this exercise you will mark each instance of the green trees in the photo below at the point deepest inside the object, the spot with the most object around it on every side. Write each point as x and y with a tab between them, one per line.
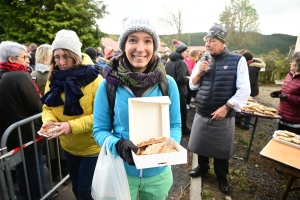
38	21
277	66
241	22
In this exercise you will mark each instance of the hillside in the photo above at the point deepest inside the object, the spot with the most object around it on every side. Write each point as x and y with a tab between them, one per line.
266	44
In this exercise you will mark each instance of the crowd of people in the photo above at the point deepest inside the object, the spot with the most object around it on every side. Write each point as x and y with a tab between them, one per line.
69	88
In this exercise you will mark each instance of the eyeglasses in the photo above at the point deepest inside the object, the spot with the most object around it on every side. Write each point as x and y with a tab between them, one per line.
64	57
24	57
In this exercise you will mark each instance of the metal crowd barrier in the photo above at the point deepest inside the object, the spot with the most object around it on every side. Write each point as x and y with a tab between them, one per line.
8	161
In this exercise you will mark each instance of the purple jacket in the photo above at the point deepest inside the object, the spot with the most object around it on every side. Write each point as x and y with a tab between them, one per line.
290	109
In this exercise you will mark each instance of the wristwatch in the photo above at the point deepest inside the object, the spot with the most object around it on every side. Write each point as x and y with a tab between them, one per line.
227	107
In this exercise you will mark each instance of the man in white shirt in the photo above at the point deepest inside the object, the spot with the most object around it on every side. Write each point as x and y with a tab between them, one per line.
224	88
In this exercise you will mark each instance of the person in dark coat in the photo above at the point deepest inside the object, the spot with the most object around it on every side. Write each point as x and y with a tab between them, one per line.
33	48
254	66
224	87
177	68
19	99
93	55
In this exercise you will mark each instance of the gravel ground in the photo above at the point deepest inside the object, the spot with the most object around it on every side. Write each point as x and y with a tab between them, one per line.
253	179
180	188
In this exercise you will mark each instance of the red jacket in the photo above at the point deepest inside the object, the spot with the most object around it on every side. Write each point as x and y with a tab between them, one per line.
290	109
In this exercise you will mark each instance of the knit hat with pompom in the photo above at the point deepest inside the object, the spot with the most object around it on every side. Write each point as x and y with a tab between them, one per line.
179	46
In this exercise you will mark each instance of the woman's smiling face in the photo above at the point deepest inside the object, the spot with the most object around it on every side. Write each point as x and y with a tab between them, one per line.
139	49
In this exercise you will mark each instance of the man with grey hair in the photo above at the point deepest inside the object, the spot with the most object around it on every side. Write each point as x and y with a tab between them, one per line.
224	88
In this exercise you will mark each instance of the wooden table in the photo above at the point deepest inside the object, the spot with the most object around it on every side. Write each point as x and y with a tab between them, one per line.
288	159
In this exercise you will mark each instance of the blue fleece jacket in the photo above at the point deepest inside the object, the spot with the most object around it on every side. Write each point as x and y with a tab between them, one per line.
102	121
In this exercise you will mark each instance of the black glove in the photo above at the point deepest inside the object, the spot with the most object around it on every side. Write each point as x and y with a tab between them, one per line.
274	94
124	148
283	97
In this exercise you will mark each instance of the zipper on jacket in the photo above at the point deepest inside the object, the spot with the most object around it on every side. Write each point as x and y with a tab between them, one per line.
213	83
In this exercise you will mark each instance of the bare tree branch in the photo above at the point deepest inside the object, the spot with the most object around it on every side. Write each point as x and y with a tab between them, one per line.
173	20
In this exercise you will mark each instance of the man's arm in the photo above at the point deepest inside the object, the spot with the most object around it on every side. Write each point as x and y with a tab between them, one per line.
243	91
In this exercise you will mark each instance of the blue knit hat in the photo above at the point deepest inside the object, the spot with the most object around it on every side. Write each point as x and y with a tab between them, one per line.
133	24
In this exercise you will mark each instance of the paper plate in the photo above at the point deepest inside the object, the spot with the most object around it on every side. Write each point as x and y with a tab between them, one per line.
48	135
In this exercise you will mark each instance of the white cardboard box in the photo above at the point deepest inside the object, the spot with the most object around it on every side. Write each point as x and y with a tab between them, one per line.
149	118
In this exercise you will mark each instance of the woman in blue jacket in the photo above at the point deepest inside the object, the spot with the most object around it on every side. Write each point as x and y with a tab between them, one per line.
136	72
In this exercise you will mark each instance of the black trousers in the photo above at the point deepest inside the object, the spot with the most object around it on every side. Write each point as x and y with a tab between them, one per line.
221	166
183	112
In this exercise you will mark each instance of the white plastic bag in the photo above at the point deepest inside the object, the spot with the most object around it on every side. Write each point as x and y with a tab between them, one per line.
110	178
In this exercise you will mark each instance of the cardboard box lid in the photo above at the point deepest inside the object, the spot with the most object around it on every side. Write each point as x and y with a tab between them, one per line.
148	118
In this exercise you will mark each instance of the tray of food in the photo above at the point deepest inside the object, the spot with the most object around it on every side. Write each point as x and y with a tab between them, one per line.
48	131
251	99
256	109
287	137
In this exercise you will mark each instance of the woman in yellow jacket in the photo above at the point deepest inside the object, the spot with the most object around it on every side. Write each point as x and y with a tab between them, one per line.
68	104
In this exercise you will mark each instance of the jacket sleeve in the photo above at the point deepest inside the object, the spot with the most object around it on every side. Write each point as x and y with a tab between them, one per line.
182	73
175	117
239	99
29	94
293	99
102	127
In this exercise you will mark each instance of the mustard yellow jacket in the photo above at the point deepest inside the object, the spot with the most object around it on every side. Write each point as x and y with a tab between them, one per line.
80	141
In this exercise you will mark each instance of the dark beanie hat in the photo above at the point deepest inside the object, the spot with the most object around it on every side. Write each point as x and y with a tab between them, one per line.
179	46
218	32
91	52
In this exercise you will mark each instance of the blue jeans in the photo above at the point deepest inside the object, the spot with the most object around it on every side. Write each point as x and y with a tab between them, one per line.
32	174
81	170
238	118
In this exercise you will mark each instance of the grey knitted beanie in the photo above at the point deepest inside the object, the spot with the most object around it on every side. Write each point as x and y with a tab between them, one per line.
67	39
132	24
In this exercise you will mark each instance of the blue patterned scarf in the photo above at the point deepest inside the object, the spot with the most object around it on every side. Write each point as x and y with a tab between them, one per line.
69	81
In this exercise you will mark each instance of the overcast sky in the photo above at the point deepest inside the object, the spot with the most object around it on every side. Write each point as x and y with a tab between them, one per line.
275	16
